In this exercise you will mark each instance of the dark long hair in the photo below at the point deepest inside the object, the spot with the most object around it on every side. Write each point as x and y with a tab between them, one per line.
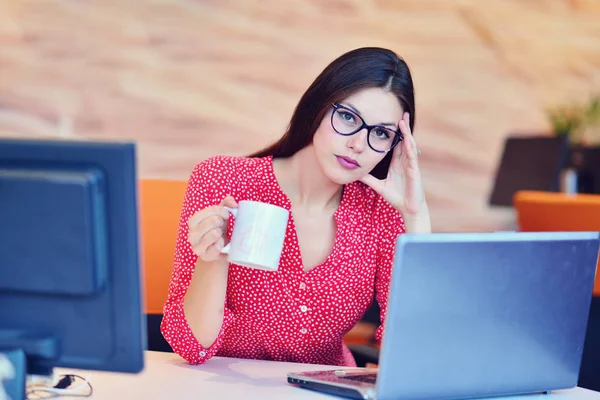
358	69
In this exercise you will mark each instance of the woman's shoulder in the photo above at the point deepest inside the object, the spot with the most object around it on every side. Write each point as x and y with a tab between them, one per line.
229	174
226	166
221	175
237	162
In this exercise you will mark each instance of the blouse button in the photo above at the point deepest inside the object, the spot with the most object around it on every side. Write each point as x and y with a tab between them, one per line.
303	285
303	308
303	330
202	354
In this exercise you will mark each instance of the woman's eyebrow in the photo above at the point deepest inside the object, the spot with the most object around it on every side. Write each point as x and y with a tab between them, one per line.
358	112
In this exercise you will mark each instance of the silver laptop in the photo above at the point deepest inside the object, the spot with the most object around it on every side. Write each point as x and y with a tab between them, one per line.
478	315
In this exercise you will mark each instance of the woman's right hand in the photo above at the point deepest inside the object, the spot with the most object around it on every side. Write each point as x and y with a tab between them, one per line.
208	230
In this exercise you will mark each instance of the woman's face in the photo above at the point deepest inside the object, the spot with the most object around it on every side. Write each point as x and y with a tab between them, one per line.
344	159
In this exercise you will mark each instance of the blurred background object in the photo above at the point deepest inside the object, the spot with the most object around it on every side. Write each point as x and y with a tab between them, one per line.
190	79
580	123
529	162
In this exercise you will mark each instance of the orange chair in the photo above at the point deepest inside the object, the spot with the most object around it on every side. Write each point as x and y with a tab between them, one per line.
160	206
547	211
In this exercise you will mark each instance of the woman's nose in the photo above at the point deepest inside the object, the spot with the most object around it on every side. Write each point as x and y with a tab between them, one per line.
358	141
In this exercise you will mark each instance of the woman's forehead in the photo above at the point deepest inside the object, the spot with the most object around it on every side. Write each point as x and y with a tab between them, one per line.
375	104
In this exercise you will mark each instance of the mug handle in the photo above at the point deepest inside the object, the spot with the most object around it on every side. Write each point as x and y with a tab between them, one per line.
225	250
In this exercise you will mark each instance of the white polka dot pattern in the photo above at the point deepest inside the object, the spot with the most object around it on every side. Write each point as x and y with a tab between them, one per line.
288	315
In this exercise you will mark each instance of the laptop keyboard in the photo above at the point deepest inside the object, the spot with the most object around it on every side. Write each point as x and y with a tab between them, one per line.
366	378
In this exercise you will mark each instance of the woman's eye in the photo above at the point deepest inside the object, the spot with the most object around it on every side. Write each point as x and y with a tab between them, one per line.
346	116
382	134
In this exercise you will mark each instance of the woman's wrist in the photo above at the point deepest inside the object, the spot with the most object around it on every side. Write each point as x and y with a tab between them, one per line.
417	223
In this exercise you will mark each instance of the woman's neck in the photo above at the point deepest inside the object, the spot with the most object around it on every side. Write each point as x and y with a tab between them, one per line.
303	181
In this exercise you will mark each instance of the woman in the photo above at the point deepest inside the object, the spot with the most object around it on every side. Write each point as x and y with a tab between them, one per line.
347	169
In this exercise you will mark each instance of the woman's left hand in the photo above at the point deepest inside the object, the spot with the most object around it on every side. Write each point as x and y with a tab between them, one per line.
403	186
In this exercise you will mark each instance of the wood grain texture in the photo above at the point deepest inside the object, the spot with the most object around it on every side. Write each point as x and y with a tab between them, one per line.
188	79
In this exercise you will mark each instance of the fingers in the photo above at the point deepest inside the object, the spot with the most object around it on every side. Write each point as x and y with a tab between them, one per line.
411	137
206	213
229	201
214	251
376	184
220	210
208	228
210	245
409	146
406	119
404	125
213	225
397	152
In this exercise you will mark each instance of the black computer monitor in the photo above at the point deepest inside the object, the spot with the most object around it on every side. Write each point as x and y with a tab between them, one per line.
70	287
586	162
529	163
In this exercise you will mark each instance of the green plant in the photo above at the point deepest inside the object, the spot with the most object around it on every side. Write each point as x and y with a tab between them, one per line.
574	120
593	110
566	119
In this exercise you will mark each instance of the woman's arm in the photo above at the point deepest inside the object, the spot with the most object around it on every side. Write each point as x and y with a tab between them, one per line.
418	223
204	302
195	314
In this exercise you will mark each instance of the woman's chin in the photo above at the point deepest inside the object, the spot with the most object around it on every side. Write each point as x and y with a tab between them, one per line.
344	178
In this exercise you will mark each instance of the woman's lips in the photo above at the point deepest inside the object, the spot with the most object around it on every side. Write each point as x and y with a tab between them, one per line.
347	162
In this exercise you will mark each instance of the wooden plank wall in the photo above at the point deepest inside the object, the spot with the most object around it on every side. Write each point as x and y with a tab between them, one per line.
188	78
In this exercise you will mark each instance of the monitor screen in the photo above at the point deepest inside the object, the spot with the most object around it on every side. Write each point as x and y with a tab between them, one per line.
70	287
529	163
586	162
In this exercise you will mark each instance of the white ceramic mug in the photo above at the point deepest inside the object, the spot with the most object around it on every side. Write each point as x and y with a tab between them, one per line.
258	235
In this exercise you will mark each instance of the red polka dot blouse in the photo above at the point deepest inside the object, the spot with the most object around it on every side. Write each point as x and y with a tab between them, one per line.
287	315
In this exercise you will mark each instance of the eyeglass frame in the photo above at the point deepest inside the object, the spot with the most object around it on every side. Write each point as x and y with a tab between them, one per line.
397	139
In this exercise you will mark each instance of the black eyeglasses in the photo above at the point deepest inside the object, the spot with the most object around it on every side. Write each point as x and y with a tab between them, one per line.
347	122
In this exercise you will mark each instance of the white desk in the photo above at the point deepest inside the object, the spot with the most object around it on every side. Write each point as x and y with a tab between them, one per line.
167	376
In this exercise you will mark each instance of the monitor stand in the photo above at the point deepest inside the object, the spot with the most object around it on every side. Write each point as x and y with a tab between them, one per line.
12	375
22	353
